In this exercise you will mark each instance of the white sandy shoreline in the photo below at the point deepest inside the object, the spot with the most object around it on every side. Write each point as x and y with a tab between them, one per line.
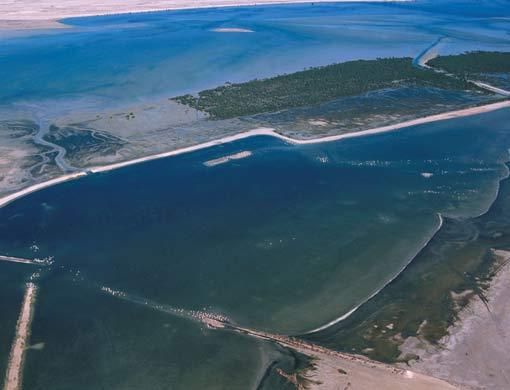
52	10
263	131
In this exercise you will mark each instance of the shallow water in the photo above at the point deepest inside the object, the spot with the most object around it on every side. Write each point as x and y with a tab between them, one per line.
421	301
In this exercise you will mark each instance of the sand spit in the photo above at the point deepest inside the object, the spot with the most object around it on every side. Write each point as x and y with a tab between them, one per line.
428	54
258	132
14	374
36	187
334	370
40	262
475	352
209	319
331	369
226	159
491	88
28	11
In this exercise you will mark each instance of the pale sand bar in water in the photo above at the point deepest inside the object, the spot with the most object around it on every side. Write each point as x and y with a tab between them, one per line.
232	30
14	374
225	159
21	260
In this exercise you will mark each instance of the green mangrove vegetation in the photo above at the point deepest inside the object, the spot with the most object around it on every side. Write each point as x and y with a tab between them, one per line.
315	86
474	62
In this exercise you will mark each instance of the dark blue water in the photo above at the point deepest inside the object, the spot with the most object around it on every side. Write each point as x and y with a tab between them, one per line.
286	240
272	237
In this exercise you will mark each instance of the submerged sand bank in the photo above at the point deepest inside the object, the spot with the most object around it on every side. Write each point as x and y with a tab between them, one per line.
14	374
28	11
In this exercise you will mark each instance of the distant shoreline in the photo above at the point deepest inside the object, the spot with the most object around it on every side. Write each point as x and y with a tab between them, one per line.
263	131
24	14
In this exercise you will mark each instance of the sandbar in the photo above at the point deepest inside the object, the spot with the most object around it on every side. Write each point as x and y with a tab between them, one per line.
14	374
232	30
225	159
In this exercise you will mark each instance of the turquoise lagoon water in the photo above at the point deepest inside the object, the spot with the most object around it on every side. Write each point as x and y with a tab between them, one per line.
112	60
285	240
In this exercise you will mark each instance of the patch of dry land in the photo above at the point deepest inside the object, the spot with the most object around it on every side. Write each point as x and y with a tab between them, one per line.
333	370
31	11
475	353
17	357
332	373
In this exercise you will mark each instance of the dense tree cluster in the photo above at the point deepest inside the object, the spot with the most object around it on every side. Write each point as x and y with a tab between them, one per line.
474	62
314	86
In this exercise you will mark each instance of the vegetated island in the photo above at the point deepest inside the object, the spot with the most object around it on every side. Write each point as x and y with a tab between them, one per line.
487	69
315	86
474	62
316	103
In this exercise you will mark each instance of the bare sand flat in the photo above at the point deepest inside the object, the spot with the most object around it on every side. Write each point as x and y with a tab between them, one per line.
333	373
475	353
28	11
333	370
